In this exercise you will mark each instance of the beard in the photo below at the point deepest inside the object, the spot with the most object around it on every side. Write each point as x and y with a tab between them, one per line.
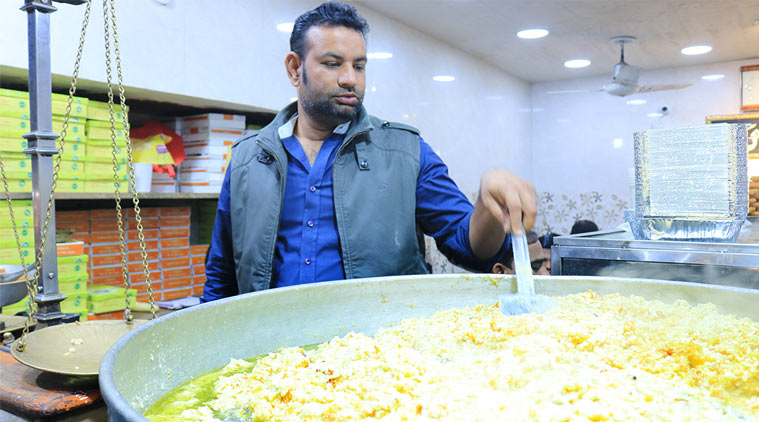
322	107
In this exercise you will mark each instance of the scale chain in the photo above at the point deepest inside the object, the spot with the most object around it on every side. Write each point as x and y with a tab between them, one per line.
130	165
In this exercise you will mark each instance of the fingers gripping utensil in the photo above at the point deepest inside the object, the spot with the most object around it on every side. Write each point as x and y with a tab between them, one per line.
525	301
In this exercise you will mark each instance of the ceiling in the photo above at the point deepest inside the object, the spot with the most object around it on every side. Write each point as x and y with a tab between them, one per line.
581	29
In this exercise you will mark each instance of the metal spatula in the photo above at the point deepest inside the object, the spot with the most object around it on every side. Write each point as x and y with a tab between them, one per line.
525	301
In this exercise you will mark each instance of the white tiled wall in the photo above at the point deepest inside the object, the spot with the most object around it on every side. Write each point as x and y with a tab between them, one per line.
574	151
231	51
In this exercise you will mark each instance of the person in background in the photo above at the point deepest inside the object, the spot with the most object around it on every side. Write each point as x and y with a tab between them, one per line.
537	261
328	192
583	226
546	242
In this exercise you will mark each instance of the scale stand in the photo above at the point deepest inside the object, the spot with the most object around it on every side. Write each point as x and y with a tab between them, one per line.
42	148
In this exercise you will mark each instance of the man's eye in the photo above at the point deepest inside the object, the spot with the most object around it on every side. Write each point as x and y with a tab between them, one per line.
332	64
360	68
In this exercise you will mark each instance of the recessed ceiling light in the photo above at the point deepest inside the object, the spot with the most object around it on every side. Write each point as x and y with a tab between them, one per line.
285	27
379	55
636	102
654	115
444	78
695	50
713	77
618	142
577	63
531	34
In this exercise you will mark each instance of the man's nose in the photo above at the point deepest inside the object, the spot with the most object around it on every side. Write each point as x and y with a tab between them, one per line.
348	78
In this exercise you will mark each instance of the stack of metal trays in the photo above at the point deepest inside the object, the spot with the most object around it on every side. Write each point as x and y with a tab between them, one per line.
690	183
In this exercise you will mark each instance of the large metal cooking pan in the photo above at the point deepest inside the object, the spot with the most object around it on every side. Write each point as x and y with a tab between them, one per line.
162	354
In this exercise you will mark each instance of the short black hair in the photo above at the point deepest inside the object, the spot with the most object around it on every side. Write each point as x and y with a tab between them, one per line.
547	240
583	226
330	13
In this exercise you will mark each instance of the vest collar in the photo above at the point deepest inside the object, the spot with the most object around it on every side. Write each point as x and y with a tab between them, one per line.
270	136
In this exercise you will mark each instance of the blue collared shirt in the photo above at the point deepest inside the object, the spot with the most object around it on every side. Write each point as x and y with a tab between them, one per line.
307	248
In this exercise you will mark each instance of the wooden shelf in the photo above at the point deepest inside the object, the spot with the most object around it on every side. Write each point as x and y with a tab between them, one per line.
101	196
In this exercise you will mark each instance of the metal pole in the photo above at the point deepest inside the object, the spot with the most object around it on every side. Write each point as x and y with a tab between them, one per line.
41	141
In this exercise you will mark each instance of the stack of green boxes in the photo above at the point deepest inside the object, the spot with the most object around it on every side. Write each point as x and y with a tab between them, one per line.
99	167
72	282
102	299
14	122
72	270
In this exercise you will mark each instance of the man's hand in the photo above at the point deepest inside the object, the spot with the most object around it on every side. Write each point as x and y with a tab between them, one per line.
505	201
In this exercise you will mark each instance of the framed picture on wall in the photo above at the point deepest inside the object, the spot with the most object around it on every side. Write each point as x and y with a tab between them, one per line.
750	88
751	120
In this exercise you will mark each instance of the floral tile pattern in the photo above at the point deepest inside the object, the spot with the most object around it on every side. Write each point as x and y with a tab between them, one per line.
557	212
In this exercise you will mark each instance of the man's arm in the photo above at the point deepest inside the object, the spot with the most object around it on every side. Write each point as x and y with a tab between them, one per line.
505	201
221	280
444	212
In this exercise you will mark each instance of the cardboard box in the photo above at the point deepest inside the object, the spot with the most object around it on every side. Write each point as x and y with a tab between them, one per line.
97	110
177	272
147	223
101	299
146	212
137	256
77	216
174	212
70	186
206	150
206	164
143	297
198	280
16	145
139	277
143	287
175	243
135	267
175	262
117	281
133	234
198	260
175	283
175	232
202	177
175	253
106	225
200	188
106	249
104	237
199	249
175	222
163	187
134	245
197	290
75	131
176	294
111	271
198	269
85	238
69	249
105	186
213	120
105	260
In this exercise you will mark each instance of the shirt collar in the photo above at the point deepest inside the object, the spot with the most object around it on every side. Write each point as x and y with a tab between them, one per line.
286	130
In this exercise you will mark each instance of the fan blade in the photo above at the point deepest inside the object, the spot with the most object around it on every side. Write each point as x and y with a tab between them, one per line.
653	88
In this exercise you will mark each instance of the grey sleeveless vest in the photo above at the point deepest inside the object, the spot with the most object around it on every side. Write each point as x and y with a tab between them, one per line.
374	175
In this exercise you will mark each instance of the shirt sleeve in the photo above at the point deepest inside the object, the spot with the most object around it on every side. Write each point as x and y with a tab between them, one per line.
221	280
443	212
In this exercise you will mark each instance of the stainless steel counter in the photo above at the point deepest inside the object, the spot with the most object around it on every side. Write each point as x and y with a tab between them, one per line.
618	254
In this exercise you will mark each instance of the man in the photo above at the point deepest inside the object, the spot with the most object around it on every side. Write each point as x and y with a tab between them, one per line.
328	192
537	260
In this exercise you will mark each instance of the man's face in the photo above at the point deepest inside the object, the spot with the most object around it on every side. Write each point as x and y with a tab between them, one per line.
334	74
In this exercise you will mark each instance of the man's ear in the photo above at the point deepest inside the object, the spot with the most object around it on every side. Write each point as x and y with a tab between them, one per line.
498	268
293	64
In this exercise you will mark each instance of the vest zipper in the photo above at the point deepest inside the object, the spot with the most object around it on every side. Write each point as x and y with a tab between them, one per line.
340	150
281	201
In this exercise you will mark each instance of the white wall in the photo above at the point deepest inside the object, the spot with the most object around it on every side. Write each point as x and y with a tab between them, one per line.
231	51
573	132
